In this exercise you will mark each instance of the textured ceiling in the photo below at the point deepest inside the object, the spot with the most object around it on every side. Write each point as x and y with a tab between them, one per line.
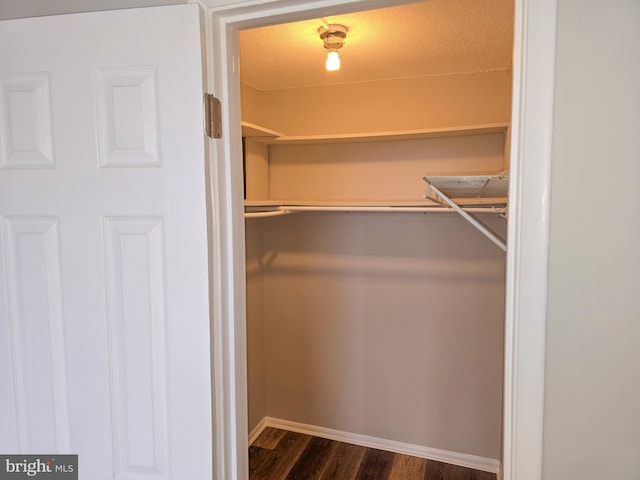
434	37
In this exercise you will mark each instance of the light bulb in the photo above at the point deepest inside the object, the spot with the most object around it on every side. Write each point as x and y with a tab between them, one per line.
333	61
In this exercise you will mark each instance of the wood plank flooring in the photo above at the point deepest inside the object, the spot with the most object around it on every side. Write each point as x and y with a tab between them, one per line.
282	455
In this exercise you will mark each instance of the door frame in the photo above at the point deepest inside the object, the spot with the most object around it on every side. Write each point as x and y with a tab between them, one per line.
528	225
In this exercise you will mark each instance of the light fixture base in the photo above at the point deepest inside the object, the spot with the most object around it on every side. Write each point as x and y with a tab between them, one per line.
333	35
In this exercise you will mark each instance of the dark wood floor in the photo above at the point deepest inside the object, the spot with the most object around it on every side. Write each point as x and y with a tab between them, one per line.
279	455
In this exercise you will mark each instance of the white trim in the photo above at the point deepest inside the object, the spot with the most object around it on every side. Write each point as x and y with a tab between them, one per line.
228	275
257	430
454	458
256	11
534	71
528	238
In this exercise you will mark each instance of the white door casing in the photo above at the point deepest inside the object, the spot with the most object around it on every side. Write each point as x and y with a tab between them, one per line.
526	296
104	300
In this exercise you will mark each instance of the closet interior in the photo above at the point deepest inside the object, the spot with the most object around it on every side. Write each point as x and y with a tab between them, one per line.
374	308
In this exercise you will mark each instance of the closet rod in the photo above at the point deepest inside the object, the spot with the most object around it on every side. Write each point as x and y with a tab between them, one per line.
283	210
346	208
488	233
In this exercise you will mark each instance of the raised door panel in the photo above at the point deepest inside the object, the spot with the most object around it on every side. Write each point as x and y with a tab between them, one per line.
26	139
35	340
137	343
127	117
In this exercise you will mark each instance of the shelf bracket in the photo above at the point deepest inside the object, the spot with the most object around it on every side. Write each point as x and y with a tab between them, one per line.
441	198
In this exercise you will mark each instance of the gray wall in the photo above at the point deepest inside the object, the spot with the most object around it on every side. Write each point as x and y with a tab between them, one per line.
389	325
256	374
592	397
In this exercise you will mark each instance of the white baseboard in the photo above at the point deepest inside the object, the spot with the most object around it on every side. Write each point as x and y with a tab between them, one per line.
461	459
255	433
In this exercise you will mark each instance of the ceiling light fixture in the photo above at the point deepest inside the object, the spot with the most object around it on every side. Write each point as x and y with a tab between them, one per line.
333	36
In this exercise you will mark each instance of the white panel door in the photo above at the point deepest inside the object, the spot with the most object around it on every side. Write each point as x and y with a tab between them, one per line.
104	310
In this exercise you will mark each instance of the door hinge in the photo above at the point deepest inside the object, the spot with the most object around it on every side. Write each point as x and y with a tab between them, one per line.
212	116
